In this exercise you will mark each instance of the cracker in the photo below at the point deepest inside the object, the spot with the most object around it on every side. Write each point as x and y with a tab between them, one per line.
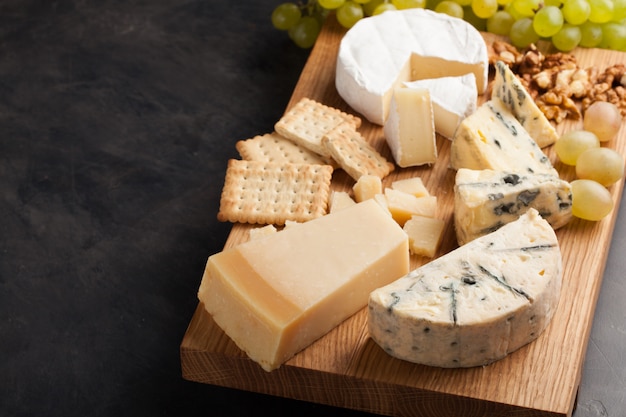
273	147
354	154
273	193
308	121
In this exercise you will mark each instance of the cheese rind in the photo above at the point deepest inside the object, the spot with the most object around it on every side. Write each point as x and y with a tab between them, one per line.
452	99
486	200
276	295
510	90
492	138
381	52
476	304
410	128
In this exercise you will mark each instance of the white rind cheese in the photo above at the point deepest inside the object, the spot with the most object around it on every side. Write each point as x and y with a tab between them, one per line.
486	200
381	52
510	90
452	98
410	128
492	138
476	304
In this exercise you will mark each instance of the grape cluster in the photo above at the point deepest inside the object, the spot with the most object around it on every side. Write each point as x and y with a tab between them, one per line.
566	23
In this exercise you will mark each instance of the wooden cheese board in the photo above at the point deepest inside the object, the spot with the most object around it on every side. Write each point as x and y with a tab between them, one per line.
345	368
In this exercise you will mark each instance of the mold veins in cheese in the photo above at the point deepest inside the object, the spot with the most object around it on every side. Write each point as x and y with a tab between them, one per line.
476	304
485	200
381	52
275	295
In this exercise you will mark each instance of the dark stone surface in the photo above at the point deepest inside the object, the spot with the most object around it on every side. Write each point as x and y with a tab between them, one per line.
117	119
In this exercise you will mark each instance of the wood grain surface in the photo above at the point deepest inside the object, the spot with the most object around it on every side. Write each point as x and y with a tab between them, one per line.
345	368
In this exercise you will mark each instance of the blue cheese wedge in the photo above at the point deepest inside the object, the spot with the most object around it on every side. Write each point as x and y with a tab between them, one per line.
476	304
510	90
492	138
486	200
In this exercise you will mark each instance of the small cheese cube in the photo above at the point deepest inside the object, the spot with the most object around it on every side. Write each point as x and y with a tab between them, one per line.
340	200
413	185
403	205
275	296
367	187
258	232
425	235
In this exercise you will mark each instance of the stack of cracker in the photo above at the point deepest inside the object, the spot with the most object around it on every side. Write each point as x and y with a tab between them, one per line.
286	175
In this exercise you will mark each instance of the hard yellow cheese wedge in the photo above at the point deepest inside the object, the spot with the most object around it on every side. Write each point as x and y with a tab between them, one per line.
276	295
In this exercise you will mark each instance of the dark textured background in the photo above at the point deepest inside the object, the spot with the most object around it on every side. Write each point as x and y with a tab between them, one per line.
116	122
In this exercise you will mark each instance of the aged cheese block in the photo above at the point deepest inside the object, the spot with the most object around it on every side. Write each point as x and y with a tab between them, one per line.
381	52
510	90
410	128
452	98
492	138
486	200
275	295
476	304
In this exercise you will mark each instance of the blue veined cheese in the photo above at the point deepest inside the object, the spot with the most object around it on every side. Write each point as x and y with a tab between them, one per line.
485	200
476	304
492	138
453	99
381	52
510	90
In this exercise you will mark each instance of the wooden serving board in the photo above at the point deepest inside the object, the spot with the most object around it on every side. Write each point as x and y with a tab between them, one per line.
345	368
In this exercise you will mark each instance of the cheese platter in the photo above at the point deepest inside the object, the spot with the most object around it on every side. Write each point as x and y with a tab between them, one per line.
345	368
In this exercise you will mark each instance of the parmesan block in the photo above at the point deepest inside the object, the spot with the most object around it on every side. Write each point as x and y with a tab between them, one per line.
486	200
276	295
410	128
492	138
384	51
476	304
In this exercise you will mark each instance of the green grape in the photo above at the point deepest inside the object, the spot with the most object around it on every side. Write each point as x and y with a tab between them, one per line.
547	21
331	4
613	36
567	38
603	165
510	9
603	119
557	3
370	6
349	14
526	8
619	10
484	8
576	12
504	2
305	32
450	8
591	34
286	15
574	142
522	33
590	200
470	17
361	1
409	4
601	11
384	7
463	2
500	23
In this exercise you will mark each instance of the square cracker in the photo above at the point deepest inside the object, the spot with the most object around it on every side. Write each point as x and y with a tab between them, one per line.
308	121
273	147
274	193
354	154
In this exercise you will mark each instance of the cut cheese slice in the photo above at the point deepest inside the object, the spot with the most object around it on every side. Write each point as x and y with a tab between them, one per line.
381	52
492	138
486	200
510	90
276	295
410	128
476	304
452	98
